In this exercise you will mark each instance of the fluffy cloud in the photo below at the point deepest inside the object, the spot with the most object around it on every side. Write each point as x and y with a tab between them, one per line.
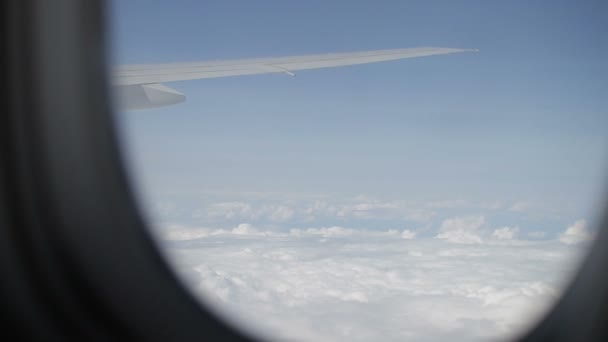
301	270
244	229
408	234
324	232
281	213
178	232
303	210
506	233
576	233
464	230
230	210
337	283
247	211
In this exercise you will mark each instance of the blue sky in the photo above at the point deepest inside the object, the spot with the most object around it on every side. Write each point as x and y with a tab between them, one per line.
523	120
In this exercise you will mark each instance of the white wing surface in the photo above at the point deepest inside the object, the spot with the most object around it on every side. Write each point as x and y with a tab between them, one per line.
140	88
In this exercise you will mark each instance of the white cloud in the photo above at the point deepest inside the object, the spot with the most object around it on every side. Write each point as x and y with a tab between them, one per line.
374	209
373	285
244	229
181	233
178	232
576	233
281	213
301	210
454	278
230	210
393	232
408	234
464	230
506	233
328	232
249	212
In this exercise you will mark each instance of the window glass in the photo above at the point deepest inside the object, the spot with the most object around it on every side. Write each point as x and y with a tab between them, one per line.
437	198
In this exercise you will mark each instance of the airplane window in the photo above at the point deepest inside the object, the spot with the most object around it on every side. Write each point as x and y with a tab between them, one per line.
350	171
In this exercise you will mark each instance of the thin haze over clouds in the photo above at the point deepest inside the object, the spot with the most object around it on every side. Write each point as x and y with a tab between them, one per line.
431	199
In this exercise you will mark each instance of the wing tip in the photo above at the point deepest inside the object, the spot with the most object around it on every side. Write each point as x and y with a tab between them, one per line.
463	50
449	49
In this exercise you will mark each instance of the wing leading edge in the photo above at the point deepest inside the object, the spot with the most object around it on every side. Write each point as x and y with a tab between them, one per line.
140	88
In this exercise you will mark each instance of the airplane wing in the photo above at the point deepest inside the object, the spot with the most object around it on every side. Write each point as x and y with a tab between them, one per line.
139	85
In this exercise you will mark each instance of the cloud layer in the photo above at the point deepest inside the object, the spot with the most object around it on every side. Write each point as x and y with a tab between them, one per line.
468	282
576	233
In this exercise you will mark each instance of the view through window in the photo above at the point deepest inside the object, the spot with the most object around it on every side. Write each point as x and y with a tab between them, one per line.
437	198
